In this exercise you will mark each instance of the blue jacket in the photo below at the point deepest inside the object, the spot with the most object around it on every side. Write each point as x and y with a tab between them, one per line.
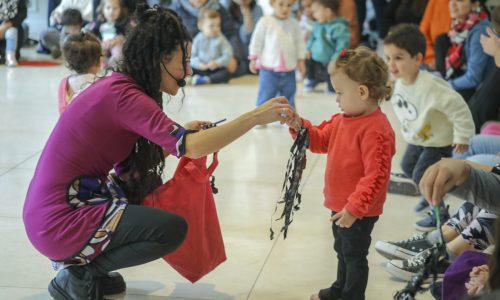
478	62
327	40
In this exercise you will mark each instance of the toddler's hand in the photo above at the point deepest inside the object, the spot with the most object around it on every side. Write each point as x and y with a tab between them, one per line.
253	67
343	219
294	122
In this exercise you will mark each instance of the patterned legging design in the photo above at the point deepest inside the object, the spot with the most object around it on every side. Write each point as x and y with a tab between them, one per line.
474	224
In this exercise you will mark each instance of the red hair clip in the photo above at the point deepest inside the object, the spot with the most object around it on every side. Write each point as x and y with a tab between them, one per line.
343	53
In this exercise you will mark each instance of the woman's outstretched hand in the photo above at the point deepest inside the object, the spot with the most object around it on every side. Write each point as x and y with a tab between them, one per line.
275	109
441	177
195	125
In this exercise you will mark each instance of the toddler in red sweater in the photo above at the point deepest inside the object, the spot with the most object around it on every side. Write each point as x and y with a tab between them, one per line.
359	143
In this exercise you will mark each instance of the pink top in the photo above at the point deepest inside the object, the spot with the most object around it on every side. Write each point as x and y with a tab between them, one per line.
99	129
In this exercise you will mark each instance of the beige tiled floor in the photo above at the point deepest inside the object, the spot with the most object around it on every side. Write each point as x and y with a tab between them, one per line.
249	179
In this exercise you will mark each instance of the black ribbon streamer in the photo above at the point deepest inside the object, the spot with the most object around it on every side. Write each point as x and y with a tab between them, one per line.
290	190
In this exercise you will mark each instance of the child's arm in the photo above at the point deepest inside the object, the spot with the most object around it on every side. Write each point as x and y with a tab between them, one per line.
257	41
451	104
227	53
377	149
256	45
319	136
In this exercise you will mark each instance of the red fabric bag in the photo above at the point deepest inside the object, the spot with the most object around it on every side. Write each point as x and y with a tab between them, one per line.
189	194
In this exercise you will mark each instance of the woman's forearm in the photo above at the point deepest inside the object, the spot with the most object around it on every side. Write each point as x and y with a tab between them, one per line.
209	141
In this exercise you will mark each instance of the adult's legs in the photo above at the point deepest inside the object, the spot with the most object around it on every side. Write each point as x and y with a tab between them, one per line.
485	103
483	148
440	49
143	235
11	39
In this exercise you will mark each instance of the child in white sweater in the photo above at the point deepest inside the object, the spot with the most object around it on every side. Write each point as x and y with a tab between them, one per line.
435	119
277	48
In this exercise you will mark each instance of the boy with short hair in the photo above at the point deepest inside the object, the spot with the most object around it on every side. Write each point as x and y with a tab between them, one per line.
211	52
434	118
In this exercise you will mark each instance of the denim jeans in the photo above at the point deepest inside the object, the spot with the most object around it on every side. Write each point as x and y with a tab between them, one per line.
273	84
483	149
418	158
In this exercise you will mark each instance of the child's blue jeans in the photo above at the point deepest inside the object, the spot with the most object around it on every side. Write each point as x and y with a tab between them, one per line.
418	158
273	84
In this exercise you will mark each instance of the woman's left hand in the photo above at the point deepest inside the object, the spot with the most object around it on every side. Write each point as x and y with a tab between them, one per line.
195	125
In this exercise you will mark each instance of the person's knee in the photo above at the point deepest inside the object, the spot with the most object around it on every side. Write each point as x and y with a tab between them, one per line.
11	33
176	233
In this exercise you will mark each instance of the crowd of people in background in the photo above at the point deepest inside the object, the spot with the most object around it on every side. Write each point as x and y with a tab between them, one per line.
443	57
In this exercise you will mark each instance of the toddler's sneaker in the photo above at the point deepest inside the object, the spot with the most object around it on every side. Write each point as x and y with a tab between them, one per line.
405	249
421	205
400	184
428	223
200	79
406	269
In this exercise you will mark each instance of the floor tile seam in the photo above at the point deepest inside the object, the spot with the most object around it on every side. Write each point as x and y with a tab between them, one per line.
278	236
20	163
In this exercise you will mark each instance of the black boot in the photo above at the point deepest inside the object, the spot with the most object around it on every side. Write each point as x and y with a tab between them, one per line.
113	284
75	283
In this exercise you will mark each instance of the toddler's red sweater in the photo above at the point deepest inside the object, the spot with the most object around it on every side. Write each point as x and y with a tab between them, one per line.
358	165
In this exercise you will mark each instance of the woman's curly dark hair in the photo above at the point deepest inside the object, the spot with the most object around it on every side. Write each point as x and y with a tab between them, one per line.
158	34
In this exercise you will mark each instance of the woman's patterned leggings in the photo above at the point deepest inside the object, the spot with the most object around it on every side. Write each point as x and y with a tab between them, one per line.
474	224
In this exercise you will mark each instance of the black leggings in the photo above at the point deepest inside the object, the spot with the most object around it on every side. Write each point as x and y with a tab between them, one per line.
144	234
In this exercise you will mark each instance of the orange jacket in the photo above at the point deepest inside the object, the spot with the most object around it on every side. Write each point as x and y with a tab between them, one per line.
436	21
347	9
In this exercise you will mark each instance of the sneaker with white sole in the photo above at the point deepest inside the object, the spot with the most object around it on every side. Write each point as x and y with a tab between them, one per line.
406	269
405	249
402	185
429	223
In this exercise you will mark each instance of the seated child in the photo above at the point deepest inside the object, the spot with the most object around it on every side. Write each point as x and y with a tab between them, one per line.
82	53
211	52
434	118
110	27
